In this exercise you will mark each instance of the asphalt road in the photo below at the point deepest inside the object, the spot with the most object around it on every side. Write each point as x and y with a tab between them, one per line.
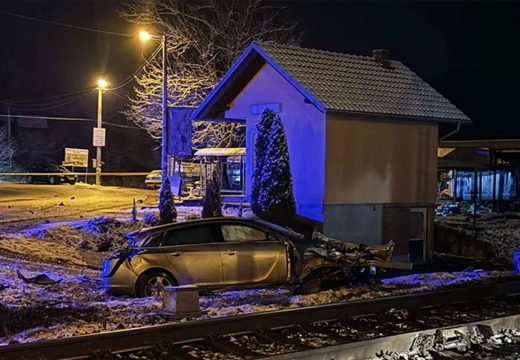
24	204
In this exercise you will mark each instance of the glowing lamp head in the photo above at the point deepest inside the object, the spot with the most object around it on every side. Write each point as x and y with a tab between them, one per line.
144	35
102	84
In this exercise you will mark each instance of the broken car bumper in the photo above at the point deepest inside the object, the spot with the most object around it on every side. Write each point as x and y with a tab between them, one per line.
116	277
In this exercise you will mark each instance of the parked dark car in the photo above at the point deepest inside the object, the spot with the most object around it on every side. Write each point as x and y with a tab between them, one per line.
60	174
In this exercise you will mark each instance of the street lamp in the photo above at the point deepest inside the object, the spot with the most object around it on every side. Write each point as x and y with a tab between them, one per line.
146	36
101	86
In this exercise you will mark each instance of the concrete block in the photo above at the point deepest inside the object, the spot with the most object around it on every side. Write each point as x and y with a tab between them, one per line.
182	301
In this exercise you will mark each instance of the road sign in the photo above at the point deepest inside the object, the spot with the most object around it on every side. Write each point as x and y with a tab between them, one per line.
179	139
76	157
98	137
175	185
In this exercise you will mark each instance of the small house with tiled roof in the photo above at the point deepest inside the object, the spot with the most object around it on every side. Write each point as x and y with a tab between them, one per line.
362	134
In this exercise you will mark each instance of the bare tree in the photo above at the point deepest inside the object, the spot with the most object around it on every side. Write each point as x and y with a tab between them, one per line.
204	38
7	150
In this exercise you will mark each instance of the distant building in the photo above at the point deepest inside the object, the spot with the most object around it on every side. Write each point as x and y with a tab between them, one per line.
480	172
362	135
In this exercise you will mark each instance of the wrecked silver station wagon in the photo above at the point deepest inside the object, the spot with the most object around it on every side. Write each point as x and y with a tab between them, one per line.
226	253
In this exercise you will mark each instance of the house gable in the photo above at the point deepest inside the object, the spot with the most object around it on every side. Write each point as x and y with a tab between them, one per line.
304	126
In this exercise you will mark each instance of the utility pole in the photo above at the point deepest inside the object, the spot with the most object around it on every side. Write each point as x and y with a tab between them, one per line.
102	84
9	125
9	134
164	139
146	36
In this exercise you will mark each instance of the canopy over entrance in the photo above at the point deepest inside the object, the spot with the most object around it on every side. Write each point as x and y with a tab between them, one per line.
221	152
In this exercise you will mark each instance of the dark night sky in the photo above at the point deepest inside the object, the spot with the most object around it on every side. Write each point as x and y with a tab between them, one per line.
467	50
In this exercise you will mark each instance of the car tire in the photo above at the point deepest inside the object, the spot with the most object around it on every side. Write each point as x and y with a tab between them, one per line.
310	286
149	283
52	180
30	179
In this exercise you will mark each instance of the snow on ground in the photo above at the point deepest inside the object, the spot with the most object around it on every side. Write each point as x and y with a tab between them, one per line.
78	305
500	232
59	241
23	205
83	242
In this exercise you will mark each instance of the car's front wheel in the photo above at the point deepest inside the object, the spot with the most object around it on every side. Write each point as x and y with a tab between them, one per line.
153	284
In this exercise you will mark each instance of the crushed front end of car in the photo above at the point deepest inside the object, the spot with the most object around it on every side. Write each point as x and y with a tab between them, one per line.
336	260
117	274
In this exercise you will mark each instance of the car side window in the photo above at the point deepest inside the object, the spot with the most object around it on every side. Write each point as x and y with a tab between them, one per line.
241	233
187	236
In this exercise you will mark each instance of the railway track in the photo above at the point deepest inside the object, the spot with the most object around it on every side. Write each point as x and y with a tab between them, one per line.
289	333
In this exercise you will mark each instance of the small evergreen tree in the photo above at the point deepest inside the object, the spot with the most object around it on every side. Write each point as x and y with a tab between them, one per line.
167	211
262	137
211	204
275	194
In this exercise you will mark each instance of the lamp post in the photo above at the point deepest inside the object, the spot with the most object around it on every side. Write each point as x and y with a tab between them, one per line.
102	85
146	36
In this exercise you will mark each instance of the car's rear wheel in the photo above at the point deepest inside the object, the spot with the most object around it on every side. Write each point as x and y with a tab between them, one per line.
153	283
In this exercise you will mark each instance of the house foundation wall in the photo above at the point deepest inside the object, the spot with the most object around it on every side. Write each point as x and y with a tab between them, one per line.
356	223
407	225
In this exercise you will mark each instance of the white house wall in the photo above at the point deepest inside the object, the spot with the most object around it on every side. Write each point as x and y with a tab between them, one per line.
304	126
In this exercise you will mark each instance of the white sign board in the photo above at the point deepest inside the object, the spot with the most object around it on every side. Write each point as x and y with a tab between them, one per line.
259	108
98	137
175	185
76	157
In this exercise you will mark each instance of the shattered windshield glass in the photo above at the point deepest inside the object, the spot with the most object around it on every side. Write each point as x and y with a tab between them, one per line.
146	240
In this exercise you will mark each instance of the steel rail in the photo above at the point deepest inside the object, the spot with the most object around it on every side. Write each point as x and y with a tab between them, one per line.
395	343
80	347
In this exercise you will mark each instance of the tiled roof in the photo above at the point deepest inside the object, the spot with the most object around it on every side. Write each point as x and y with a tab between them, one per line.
360	84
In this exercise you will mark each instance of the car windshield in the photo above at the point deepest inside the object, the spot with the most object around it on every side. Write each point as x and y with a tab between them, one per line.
140	240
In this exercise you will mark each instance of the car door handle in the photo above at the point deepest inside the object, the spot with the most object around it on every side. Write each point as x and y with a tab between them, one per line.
176	253
229	252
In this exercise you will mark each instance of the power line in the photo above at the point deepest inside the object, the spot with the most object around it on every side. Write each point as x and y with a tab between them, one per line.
47	117
64	24
50	98
131	76
51	105
58	118
75	95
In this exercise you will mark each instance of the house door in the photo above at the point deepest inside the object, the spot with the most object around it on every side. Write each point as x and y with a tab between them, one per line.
407	228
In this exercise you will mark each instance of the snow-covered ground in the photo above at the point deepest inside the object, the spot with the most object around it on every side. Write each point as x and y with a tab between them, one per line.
39	235
78	305
497	234
23	205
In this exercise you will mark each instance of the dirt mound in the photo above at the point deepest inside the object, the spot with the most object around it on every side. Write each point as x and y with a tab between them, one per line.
488	237
35	249
109	234
101	234
82	243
